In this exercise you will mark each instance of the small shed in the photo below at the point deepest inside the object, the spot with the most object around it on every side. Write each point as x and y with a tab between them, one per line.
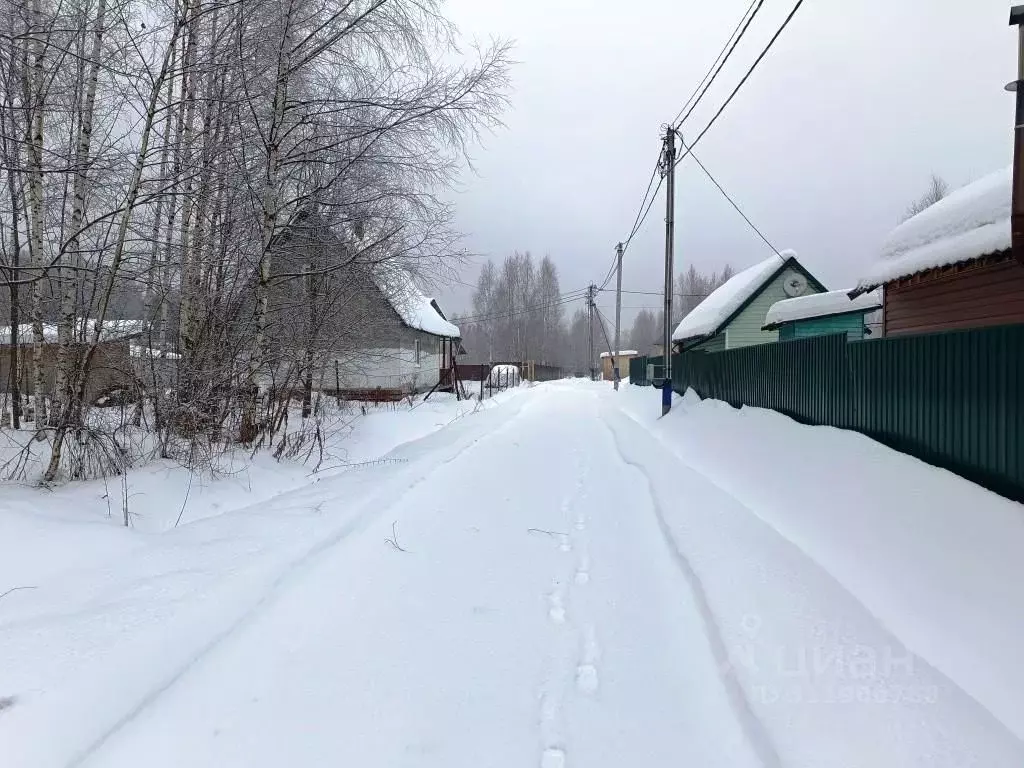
734	314
951	266
820	314
621	360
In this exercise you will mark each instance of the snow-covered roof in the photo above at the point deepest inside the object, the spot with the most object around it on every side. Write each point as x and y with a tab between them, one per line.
709	316
416	310
820	305
622	353
84	328
140	350
972	222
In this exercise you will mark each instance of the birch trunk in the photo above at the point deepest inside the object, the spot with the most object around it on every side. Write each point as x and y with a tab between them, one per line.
68	369
270	202
187	319
12	159
35	92
156	285
124	220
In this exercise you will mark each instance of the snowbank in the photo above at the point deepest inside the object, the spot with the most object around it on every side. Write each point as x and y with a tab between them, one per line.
972	222
623	353
708	316
820	305
96	620
934	557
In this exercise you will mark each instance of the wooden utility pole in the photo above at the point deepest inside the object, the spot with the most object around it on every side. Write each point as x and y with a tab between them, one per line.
618	313
668	171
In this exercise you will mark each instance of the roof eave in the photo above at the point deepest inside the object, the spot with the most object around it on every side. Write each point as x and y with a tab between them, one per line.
860	290
859	311
790	261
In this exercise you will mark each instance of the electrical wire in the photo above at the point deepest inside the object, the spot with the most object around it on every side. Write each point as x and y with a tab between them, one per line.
731	201
611	271
662	293
719	61
521	310
643	213
640	222
562	300
739	85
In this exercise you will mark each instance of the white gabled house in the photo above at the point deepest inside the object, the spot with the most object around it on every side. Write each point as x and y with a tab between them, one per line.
412	343
370	328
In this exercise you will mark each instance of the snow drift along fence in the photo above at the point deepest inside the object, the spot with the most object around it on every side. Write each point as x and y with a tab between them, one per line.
953	399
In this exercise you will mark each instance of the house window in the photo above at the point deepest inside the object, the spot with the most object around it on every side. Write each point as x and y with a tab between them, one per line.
417	351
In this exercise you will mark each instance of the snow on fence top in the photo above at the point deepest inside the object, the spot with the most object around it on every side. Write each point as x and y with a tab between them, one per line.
820	305
416	310
112	330
622	353
970	223
708	316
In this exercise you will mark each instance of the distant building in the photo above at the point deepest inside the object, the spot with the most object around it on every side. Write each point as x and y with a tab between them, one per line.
621	360
951	265
820	314
372	329
734	314
113	364
413	345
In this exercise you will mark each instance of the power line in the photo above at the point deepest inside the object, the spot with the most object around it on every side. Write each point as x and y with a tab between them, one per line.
641	221
562	300
727	197
662	293
641	214
521	310
608	277
719	61
735	90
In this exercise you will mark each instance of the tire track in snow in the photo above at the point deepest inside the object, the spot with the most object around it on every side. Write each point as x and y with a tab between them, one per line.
369	509
757	735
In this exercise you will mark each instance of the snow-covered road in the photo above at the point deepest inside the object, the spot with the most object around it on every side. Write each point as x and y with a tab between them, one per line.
541	584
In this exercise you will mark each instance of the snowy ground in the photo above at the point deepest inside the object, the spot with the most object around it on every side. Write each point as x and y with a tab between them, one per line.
560	579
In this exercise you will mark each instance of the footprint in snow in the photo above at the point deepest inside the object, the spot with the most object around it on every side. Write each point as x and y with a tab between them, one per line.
553	757
586	673
556	609
586	679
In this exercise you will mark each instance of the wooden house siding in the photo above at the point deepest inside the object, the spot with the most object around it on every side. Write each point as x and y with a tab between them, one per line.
986	294
715	344
745	329
850	324
111	366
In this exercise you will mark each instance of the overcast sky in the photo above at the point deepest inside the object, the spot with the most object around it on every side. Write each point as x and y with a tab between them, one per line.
829	140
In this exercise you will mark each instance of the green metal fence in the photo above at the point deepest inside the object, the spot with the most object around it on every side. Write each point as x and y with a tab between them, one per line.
953	399
638	369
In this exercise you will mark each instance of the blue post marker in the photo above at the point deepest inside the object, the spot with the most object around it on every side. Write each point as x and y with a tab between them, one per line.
666	397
